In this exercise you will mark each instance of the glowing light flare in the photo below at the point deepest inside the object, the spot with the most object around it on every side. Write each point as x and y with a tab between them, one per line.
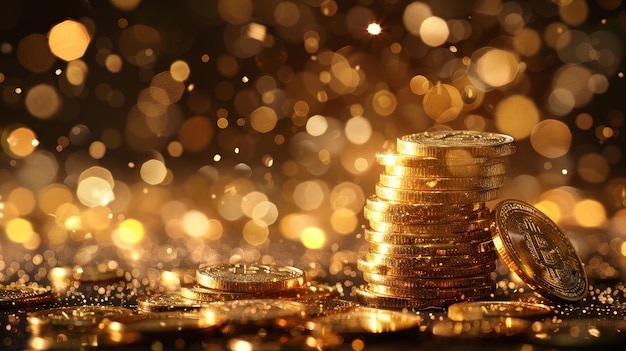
443	103
493	68
574	12
344	221
551	138
43	101
358	130
196	133
153	172
68	40
384	102
516	115
255	233
19	230
129	233
53	196
19	141
374	29
590	213
414	15
593	168
263	119
316	125
309	195
265	213
434	31
313	238
180	70
22	199
94	191
76	72
197	224
420	85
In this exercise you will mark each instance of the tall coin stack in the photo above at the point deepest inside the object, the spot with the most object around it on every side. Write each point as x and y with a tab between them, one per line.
430	243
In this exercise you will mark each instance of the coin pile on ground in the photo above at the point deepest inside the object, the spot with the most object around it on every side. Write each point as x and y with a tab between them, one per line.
430	243
233	282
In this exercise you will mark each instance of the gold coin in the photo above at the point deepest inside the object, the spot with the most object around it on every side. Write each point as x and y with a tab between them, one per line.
489	328
534	247
163	326
447	143
250	277
426	262
200	293
476	170
378	237
430	212
469	248
436	196
172	301
328	306
410	282
258	313
373	299
579	333
476	292
397	159
434	229
75	316
416	218
431	272
363	320
478	310
16	296
441	183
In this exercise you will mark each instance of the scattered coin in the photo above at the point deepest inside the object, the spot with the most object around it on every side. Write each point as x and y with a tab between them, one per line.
477	310
250	277
16	296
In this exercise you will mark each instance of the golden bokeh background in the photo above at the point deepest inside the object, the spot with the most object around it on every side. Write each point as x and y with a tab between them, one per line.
153	135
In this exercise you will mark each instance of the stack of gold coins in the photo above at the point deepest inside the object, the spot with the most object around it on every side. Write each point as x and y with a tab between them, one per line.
430	243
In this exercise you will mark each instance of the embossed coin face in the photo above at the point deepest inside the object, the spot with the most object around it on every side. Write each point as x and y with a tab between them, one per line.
22	296
250	277
534	247
456	144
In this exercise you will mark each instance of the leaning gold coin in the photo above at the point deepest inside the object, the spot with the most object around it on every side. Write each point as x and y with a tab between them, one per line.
478	310
441	183
250	277
16	296
436	196
449	143
534	247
